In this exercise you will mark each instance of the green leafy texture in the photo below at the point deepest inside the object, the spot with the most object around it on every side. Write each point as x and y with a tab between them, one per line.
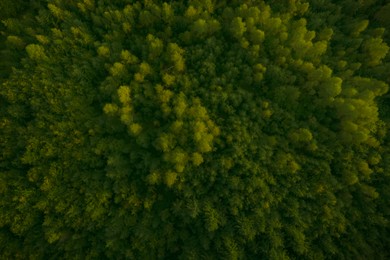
191	130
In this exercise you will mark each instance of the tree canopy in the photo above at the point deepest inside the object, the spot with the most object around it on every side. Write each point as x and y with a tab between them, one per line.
194	129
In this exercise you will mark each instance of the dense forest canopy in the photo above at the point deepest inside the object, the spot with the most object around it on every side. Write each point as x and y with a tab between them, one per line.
197	129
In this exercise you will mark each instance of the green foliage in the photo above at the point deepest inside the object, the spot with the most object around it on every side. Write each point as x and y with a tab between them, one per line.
194	129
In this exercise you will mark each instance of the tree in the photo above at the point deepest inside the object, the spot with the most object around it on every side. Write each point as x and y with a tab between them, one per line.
219	129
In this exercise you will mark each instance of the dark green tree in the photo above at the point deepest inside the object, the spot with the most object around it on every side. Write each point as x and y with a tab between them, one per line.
194	130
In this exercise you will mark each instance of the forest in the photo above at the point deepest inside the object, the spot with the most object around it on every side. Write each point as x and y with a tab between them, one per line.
197	129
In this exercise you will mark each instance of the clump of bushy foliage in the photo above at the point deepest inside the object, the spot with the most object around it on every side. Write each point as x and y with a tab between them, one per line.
193	129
